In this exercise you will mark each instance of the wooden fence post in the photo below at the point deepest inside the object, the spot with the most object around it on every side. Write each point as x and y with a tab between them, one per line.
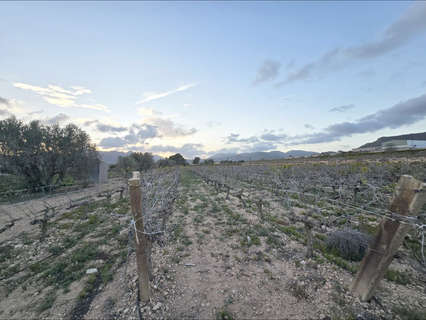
407	201
141	249
309	239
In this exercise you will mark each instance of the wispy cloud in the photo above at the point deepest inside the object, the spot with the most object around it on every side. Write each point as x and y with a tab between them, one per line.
150	96
104	127
235	138
343	108
4	101
269	70
61	97
410	24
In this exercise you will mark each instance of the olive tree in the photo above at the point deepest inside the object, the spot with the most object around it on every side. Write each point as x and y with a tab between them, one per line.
41	153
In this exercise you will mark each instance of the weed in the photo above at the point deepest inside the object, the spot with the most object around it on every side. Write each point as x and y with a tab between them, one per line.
6	252
298	289
47	302
398	276
224	315
56	250
26	238
409	314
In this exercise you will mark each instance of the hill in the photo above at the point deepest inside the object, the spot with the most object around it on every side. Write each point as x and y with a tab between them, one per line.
254	156
381	140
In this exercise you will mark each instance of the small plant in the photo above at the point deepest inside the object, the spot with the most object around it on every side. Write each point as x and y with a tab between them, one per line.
409	314
397	276
298	289
224	315
47	301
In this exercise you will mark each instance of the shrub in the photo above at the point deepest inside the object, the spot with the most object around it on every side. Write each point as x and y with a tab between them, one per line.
349	244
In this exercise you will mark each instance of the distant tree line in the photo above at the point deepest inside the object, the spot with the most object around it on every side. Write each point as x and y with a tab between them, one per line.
138	161
43	154
232	162
174	160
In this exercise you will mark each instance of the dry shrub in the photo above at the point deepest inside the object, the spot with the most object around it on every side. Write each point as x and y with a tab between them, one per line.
349	244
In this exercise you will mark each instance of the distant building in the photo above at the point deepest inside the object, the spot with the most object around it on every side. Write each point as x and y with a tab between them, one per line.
416	144
395	145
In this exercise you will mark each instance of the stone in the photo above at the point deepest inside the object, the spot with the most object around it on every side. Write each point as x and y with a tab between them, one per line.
157	306
91	270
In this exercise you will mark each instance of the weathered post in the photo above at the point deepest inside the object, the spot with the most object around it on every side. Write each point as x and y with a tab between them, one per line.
260	209
228	189
309	239
408	199
141	249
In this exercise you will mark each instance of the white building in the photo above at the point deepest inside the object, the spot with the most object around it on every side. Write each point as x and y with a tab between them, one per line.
417	144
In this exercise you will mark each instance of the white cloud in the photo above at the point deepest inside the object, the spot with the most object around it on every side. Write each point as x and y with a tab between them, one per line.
62	97
149	96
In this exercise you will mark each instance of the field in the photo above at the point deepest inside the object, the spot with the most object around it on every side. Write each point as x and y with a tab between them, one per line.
229	242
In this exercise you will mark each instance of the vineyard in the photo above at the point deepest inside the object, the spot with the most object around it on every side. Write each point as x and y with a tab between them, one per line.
283	240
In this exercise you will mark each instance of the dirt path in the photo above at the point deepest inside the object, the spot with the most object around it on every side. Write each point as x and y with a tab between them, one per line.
218	260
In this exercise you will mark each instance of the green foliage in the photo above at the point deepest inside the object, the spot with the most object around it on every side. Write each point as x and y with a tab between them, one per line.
70	268
90	287
38	153
174	160
409	314
196	160
224	315
208	162
10	182
136	161
47	301
6	252
397	276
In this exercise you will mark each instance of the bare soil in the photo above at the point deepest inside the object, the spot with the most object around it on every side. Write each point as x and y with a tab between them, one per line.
218	259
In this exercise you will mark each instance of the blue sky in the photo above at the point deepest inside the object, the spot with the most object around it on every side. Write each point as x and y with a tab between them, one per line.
200	78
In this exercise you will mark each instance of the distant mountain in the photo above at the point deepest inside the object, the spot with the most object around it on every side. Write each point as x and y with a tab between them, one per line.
380	141
254	156
111	157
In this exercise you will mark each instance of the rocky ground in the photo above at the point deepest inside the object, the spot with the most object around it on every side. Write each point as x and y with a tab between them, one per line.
219	259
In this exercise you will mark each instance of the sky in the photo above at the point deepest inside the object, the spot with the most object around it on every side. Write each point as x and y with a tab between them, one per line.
201	78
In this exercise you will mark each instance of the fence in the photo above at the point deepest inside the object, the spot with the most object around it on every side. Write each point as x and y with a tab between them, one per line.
403	215
25	207
152	197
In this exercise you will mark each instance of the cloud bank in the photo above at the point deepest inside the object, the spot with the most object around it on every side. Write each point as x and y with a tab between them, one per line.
401	114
